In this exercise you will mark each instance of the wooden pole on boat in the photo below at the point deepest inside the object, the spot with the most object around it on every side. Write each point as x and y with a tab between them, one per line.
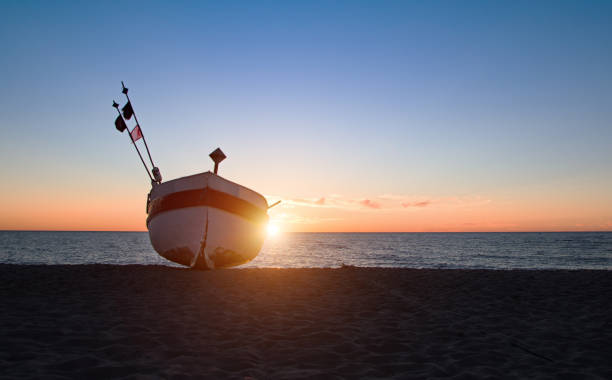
274	204
133	142
125	91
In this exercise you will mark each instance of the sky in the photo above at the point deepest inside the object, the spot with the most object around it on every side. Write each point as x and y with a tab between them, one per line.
360	116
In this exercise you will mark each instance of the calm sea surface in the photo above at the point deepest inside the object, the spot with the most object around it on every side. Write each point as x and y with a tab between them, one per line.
550	250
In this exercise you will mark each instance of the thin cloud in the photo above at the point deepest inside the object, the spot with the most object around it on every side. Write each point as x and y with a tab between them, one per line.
381	202
416	204
370	204
288	218
317	202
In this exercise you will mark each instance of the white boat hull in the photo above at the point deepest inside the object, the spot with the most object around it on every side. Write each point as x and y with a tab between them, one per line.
206	222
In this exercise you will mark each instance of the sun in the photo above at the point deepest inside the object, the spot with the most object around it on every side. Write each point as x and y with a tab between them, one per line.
272	229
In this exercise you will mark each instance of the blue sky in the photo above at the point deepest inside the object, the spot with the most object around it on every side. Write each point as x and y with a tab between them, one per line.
502	100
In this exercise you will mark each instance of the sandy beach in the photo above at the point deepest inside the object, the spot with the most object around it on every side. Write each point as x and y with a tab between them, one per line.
106	321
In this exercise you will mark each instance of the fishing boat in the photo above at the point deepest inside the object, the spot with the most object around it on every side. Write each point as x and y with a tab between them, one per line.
202	221
205	221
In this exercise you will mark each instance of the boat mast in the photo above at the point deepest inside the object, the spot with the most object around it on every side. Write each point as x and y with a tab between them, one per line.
133	142
156	178
125	91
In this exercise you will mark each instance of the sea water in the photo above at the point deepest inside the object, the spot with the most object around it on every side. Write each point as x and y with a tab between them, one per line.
533	250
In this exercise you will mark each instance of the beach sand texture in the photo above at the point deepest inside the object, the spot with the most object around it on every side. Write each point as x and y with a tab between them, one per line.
106	321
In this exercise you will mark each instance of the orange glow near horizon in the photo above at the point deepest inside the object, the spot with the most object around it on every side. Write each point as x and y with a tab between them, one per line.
437	215
129	215
116	211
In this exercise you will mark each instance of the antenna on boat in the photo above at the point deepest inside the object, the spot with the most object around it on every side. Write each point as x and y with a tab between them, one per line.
217	156
130	110
120	124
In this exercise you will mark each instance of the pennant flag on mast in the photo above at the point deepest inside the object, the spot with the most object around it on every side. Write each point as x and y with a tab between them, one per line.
120	124
128	111
136	133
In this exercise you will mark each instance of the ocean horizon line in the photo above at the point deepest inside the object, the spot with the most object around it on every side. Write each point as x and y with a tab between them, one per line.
351	232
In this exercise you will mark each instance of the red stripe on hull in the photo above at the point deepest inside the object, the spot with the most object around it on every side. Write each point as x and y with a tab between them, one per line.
207	197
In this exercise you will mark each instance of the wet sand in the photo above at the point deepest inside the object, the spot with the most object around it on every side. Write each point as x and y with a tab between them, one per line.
106	321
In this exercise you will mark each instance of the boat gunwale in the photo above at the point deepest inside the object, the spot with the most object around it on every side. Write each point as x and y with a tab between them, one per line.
211	174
